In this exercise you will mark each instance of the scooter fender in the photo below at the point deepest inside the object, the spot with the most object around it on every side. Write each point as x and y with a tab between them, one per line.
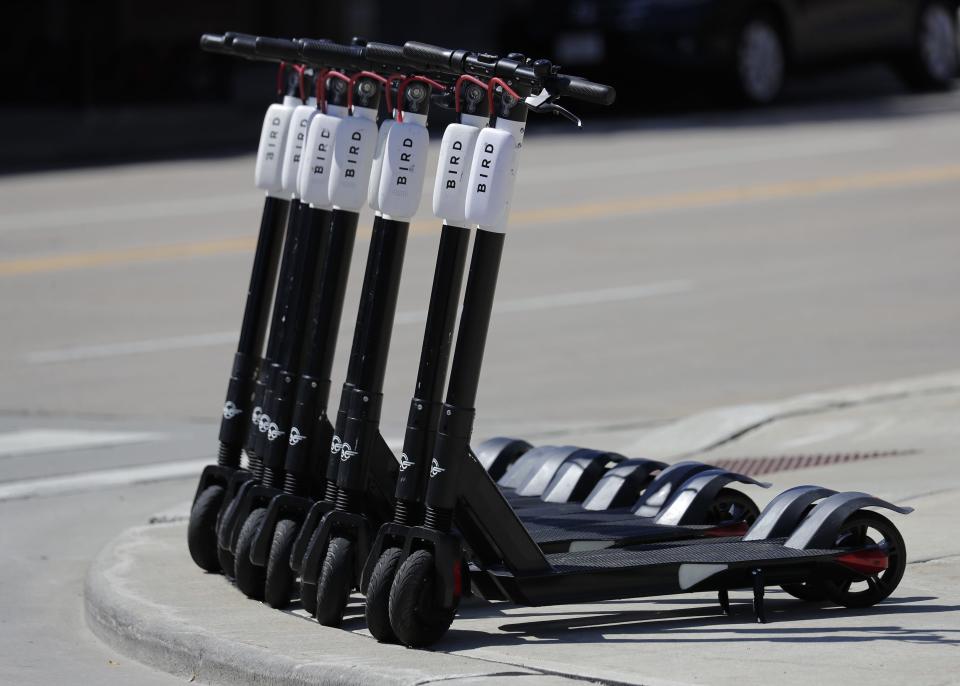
309	528
268	174
214	475
353	151
782	514
527	465
668	481
691	502
539	479
577	476
456	156
498	454
283	506
404	168
313	181
819	529
389	535
357	526
253	497
621	485
296	145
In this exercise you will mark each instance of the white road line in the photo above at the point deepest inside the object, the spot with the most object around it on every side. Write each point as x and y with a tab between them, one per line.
544	302
31	441
639	163
130	212
104	478
121	476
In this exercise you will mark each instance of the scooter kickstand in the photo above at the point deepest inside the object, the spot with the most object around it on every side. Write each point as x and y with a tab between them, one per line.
724	597
758	589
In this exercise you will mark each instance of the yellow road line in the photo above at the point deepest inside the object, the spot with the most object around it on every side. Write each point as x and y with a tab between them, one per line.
916	176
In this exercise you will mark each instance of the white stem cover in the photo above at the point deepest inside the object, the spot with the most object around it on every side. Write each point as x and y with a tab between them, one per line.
353	151
295	144
269	169
313	182
453	171
493	175
404	168
373	190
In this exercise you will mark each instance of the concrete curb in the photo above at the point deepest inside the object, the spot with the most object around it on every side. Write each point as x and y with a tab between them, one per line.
127	599
712	428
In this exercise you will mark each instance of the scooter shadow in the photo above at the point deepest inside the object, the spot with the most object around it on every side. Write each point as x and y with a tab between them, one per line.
701	623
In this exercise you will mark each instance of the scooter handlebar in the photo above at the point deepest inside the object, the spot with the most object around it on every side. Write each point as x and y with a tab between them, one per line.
384	53
212	42
462	62
282	49
327	53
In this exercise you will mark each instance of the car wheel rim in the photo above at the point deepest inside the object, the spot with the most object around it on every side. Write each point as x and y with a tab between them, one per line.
938	43
761	61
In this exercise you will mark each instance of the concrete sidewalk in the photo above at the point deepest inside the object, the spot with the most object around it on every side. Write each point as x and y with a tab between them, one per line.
146	598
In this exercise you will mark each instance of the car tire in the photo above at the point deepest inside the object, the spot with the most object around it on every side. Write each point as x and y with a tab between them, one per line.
933	59
759	60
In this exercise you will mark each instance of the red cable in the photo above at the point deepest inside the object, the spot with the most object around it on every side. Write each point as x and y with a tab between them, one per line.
403	86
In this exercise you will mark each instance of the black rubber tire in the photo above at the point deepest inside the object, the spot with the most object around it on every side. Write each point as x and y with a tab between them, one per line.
336	582
250	578
743	507
883	584
807	591
377	608
202	529
914	68
227	563
416	618
279	582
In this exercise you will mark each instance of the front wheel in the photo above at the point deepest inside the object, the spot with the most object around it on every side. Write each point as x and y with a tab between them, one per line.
336	582
202	529
377	608
249	577
932	62
417	618
866	529
278	587
760	62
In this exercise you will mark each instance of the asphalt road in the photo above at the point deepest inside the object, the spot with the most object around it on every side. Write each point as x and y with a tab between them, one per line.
652	269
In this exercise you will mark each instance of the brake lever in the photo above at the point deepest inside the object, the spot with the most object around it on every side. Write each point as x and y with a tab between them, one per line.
548	107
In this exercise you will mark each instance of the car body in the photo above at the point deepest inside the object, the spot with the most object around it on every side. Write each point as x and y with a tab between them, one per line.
706	35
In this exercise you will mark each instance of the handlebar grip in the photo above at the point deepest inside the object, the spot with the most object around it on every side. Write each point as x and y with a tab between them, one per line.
277	49
211	42
329	54
385	53
581	89
426	55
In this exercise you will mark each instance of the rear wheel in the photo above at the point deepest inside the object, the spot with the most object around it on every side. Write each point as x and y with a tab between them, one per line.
202	529
416	616
932	62
866	529
250	578
278	587
759	61
377	608
732	506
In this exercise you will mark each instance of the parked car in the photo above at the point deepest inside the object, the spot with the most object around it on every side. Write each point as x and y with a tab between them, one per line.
752	44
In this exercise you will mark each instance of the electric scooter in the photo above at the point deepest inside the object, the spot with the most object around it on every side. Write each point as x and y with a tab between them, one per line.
237	409
831	549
